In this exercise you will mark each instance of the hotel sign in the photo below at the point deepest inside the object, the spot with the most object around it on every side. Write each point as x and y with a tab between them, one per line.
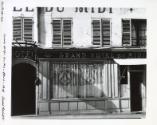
63	9
89	54
34	53
24	52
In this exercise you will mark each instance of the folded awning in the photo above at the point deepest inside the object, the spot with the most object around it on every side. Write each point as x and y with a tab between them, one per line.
131	61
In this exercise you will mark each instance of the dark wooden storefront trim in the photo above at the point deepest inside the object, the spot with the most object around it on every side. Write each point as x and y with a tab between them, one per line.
35	53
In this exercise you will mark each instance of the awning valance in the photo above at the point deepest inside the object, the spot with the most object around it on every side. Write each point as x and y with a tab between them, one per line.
131	61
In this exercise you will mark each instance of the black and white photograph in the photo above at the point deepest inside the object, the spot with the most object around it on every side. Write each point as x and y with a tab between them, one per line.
77	61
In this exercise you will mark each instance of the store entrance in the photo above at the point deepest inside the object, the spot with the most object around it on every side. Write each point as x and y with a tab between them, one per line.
23	89
135	83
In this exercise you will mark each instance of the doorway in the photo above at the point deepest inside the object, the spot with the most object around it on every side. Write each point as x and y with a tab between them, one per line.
23	89
136	78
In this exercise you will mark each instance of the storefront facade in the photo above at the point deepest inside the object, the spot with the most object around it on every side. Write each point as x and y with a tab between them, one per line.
86	60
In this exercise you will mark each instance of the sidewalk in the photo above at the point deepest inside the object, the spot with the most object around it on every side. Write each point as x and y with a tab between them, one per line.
135	115
100	116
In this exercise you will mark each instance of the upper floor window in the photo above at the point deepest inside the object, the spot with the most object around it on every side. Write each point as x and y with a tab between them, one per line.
134	32
62	32
101	32
23	29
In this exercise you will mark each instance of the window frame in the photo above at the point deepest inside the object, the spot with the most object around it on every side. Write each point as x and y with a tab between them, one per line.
22	30
62	42
131	42
101	41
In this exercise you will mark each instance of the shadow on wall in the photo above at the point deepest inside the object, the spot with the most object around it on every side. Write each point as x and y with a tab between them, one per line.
71	85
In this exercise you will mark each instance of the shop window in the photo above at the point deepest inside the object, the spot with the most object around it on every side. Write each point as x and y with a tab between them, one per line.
123	75
79	80
134	32
62	32
23	29
101	32
124	88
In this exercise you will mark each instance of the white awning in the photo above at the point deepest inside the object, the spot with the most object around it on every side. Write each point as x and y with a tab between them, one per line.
131	61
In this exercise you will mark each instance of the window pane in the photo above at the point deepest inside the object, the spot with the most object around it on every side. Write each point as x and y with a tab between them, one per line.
124	82
142	33
138	32
76	80
123	74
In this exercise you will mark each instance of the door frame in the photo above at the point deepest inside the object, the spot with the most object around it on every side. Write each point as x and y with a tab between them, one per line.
129	81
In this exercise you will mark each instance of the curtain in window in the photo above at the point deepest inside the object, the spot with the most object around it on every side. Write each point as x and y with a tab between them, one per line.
142	33
138	32
83	80
135	33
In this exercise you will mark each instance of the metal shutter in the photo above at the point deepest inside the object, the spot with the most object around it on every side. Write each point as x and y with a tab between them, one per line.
57	32
17	29
96	32
67	32
27	34
105	32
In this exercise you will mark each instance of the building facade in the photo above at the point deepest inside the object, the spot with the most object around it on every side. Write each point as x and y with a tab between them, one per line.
78	60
